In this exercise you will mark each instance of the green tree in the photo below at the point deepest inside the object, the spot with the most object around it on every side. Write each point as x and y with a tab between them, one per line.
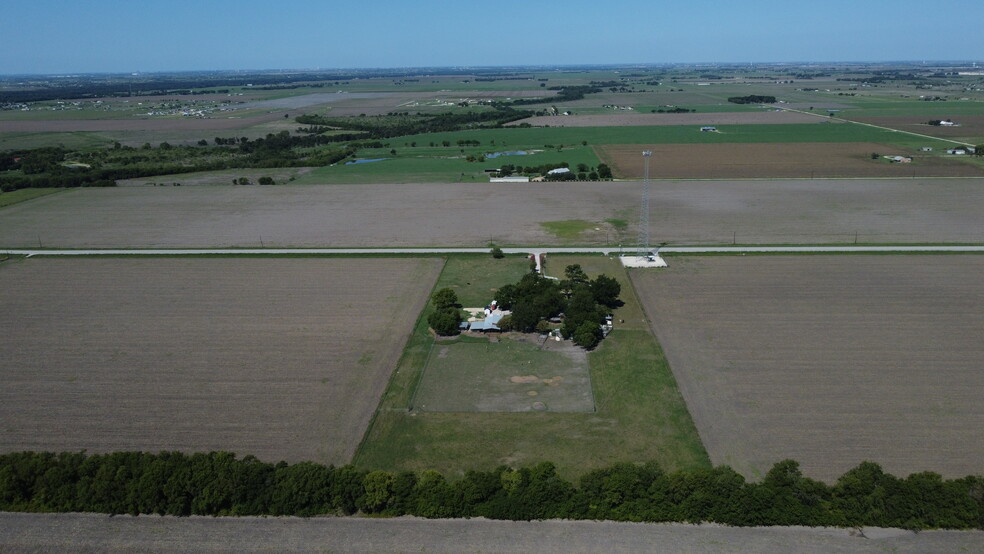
604	171
575	274
266	180
606	290
445	298
379	491
445	322
497	252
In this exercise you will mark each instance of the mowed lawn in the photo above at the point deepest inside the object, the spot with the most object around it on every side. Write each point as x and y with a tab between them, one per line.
640	414
828	360
284	359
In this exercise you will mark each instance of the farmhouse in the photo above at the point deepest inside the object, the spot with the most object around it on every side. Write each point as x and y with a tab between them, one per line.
510	179
489	324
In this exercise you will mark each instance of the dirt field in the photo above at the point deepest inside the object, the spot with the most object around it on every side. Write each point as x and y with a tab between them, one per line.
682	212
635	119
828	360
142	124
85	533
789	160
970	125
284	359
279	175
505	376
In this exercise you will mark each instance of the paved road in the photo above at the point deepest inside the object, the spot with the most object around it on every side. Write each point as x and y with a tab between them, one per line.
920	249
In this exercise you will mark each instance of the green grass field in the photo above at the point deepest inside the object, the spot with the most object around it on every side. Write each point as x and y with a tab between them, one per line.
80	140
537	137
505	376
426	164
640	415
22	195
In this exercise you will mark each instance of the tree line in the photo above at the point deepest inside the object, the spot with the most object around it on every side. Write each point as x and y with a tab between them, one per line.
752	99
220	484
389	126
45	167
564	94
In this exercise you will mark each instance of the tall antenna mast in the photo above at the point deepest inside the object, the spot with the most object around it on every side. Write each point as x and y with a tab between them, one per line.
644	212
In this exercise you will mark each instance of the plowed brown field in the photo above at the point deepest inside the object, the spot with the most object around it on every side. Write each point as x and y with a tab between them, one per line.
790	160
442	214
828	360
971	126
284	359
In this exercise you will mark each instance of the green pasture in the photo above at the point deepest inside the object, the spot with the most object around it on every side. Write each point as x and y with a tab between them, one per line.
79	140
22	195
505	376
475	279
884	107
640	414
426	164
68	114
537	137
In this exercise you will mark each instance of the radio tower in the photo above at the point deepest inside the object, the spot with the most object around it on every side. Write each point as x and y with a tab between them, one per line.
644	213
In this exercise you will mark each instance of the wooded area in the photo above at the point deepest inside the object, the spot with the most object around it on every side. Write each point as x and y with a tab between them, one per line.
219	484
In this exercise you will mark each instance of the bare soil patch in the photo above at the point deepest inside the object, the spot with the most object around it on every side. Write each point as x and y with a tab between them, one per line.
696	212
99	533
828	360
970	125
789	160
658	119
284	359
224	177
141	124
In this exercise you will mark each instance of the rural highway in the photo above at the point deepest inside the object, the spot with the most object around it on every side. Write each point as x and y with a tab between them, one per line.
606	250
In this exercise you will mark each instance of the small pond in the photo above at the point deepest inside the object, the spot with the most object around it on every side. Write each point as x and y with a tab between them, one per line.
356	162
497	154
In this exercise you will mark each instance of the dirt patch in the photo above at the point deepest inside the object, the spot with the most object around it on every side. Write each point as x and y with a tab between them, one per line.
658	119
524	379
777	160
971	126
141	124
100	533
280	176
828	360
284	359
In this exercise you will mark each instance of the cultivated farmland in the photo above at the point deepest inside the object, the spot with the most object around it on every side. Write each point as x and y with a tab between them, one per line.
148	533
827	360
284	359
775	211
793	160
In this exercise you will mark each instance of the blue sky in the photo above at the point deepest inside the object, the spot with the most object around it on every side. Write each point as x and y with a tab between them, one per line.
70	36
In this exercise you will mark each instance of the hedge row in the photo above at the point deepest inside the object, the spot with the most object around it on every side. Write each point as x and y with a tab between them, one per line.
219	484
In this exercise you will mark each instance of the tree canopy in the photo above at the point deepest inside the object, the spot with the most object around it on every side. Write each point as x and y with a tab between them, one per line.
220	484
